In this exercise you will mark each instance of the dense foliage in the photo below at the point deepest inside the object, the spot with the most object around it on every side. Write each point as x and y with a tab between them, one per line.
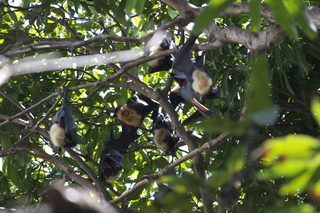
259	153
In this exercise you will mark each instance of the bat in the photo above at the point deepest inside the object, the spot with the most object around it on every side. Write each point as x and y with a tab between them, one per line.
192	78
63	129
163	137
175	97
111	163
112	156
135	110
163	63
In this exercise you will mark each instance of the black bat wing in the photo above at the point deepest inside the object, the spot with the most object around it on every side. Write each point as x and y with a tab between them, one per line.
69	122
128	135
182	61
151	105
111	163
163	121
175	98
113	155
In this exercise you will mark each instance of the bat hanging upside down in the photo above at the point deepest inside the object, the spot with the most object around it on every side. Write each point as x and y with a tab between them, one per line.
63	129
193	78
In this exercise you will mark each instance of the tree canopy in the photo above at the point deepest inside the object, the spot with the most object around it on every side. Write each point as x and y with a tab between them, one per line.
258	153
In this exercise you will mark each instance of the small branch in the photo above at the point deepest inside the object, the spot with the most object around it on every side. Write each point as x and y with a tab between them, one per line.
132	190
17	104
149	178
36	151
34	128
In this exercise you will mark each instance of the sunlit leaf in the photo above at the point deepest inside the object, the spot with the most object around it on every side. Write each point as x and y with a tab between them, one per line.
291	146
283	17
315	109
259	91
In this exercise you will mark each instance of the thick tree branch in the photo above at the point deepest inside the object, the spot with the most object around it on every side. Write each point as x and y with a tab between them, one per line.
36	151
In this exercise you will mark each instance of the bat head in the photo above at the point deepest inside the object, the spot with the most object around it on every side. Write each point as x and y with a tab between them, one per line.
111	163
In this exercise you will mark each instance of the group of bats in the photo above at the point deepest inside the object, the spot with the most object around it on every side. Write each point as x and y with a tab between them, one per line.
192	78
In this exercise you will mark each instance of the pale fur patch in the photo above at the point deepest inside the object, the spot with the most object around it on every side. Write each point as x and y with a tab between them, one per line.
160	137
58	135
153	50
129	116
113	178
202	83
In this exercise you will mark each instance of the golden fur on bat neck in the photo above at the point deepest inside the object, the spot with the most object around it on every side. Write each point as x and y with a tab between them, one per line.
129	116
202	83
58	135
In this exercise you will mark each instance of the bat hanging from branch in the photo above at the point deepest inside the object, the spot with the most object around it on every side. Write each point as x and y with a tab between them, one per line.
193	78
63	129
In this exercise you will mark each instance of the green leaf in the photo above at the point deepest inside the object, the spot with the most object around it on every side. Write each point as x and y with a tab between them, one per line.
302	208
26	3
236	160
255	11
259	91
130	4
224	125
301	182
283	17
210	12
298	10
315	109
267	116
291	146
140	6
288	169
219	178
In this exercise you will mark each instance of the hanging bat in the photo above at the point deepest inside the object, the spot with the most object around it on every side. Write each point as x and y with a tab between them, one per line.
63	129
163	63
135	110
192	78
112	159
163	137
111	163
175	98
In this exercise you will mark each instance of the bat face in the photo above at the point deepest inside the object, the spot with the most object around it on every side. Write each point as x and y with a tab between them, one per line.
188	94
135	110
162	139
129	116
111	163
